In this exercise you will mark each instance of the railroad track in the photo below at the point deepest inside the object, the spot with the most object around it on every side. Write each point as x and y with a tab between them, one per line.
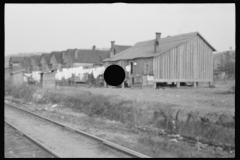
103	141
35	141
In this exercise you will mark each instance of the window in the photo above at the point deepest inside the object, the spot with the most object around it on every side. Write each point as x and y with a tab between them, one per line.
131	64
146	67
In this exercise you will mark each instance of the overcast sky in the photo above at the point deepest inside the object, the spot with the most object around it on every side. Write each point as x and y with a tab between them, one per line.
57	27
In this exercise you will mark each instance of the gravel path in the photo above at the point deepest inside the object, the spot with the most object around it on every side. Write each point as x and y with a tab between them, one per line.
66	143
17	146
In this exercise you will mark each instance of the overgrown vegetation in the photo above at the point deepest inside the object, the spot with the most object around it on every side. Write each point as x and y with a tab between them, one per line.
221	130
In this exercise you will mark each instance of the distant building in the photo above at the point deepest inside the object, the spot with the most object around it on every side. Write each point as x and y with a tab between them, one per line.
56	59
45	61
27	64
115	49
16	76
48	80
35	63
84	57
15	62
224	61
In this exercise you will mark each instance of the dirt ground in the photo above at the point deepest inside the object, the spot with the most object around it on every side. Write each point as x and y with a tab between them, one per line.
201	98
16	146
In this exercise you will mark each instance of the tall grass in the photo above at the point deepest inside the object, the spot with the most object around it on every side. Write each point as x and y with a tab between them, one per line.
22	91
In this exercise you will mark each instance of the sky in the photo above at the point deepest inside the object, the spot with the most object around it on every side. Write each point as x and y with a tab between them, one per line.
57	27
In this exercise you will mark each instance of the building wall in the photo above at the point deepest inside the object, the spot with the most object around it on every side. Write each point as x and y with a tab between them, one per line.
192	61
54	64
68	61
36	68
27	69
49	80
222	62
44	67
7	75
17	79
144	66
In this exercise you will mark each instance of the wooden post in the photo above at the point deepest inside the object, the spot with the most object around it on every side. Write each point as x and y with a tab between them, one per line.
130	80
210	83
105	84
123	84
154	85
178	84
194	84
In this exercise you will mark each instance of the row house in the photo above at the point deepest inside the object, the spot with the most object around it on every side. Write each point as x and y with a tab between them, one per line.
35	63
27	64
56	59
45	59
15	62
83	57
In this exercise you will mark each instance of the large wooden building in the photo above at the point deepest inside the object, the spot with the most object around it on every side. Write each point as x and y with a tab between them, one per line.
173	59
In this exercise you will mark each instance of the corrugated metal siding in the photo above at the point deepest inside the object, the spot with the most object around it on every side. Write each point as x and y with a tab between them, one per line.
190	61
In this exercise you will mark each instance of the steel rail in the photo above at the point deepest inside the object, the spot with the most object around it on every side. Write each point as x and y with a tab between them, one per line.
106	142
35	141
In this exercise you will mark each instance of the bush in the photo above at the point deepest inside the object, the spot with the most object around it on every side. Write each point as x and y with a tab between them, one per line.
23	91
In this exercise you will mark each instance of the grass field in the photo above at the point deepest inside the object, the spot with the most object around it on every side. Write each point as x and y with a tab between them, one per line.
203	113
202	98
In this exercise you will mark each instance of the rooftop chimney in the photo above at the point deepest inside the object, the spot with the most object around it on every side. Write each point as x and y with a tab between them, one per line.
63	55
94	48
156	43
76	55
112	44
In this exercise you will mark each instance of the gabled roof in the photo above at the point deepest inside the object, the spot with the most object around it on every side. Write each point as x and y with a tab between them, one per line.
16	59
58	56
87	56
145	49
120	48
101	54
46	56
37	59
84	56
26	62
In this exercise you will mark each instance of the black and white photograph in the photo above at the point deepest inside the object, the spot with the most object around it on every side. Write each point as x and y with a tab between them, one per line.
119	80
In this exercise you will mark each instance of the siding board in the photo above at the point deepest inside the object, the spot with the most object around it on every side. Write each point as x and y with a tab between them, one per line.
186	62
